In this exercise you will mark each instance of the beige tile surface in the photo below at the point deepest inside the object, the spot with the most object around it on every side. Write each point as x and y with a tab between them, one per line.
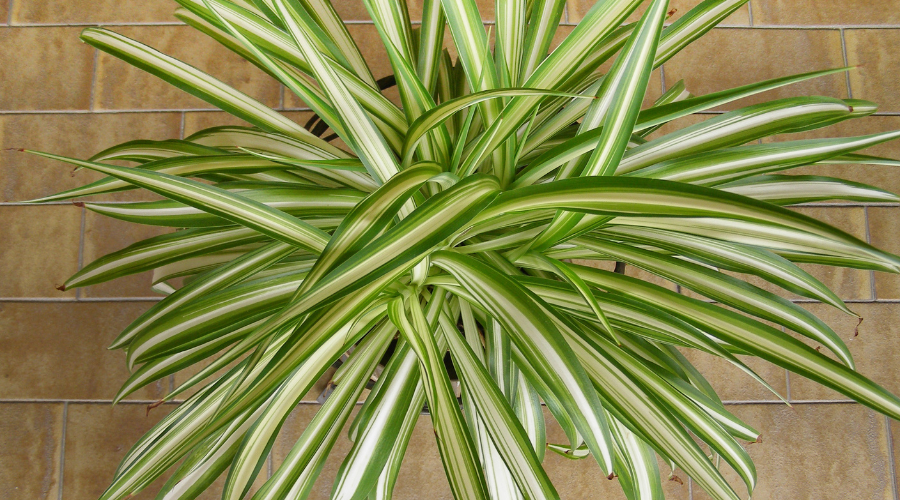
875	76
98	436
824	12
730	57
104	235
121	86
36	271
578	8
58	350
802	455
884	225
103	11
80	136
847	283
873	350
56	74
30	449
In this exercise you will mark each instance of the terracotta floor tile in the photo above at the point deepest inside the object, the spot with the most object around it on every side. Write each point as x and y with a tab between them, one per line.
731	57
104	11
50	256
58	350
118	83
81	136
819	12
56	74
104	235
884	225
872	52
806	452
875	350
30	442
97	438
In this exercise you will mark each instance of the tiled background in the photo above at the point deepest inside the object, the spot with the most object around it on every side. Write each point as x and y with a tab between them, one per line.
61	439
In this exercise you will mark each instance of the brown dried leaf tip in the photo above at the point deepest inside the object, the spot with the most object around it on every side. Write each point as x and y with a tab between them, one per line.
677	479
61	288
671	12
612	476
154	405
79	204
856	330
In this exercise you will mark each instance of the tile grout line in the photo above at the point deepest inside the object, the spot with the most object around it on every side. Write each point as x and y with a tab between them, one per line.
181	126
93	79
872	291
750	13
62	449
662	78
846	63
156	299
81	248
892	464
9	13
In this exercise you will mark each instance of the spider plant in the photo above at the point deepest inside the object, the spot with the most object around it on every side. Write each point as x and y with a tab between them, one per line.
385	236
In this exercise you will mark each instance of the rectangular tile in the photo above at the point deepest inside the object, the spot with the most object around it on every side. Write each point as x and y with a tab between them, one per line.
59	350
28	176
30	447
875	350
730	57
884	225
97	438
38	249
122	86
104	11
578	8
807	451
104	235
845	282
875	77
55	74
814	12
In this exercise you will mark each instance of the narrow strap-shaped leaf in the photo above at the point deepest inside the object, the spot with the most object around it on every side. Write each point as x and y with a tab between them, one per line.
726	289
160	250
431	37
793	189
144	150
235	208
361	134
237	270
619	101
732	256
178	165
754	337
539	341
539	34
629	196
298	202
730	164
454	442
324	429
497	414
194	81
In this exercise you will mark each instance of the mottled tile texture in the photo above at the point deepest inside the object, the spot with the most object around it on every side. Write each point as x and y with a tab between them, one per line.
60	437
